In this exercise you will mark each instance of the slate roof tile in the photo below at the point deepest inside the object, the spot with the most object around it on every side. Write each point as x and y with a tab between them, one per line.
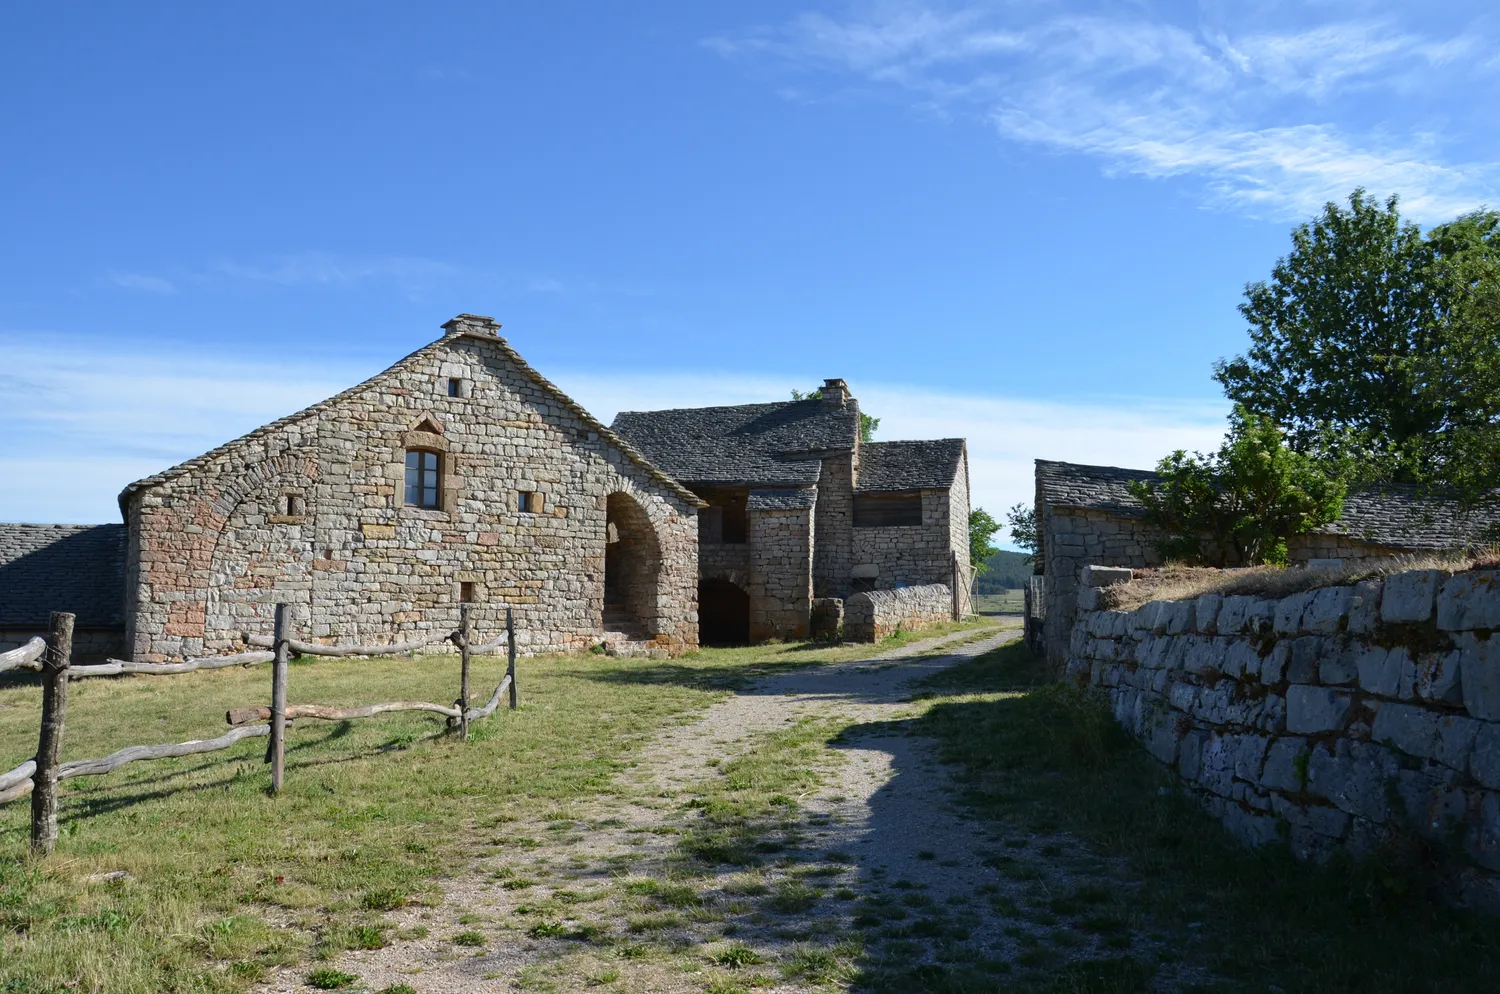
782	500
777	443
931	464
77	568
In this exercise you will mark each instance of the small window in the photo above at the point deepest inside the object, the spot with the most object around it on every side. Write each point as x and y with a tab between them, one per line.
528	502
296	505
455	388
466	591
424	479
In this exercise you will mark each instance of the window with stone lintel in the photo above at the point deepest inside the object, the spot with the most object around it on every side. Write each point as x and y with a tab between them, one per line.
424	478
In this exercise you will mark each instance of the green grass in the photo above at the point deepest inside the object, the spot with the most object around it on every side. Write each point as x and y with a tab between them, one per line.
1036	758
1009	602
373	810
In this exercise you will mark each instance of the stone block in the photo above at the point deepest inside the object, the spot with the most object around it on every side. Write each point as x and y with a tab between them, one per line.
1327	610
1240	658
1307	654
1183	695
1408	597
1088	598
1162	739
1274	663
1203	655
1105	576
1310	710
1469	600
1480	675
1216	771
1249	756
1327	821
1179	616
1484	838
1378	672
1190	754
1339	666
1262	617
1484	762
1411	729
1233	614
1288	617
1284	766
1354	776
1249	828
1364	608
1439	676
1206	612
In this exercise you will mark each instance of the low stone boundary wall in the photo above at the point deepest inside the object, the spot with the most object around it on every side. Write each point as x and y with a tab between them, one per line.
873	614
1338	718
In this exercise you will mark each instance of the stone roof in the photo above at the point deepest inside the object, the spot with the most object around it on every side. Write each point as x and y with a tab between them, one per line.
76	568
920	465
749	444
781	500
463	326
1400	516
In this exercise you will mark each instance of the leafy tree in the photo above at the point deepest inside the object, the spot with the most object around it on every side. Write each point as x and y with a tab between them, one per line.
982	527
1241	504
1375	346
1022	521
867	425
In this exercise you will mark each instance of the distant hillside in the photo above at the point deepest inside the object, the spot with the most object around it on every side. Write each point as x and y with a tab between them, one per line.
1007	571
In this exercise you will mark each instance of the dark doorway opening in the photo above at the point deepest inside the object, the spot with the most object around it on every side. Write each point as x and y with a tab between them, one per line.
632	562
723	613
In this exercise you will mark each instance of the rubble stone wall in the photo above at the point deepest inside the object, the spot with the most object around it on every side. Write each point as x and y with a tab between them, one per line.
916	554
781	573
311	511
872	615
1339	718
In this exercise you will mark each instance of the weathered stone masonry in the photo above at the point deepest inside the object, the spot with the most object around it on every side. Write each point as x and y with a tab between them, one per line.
311	510
1336	718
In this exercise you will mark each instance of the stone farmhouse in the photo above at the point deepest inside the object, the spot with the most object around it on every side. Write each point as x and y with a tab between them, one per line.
461	474
800	508
1086	517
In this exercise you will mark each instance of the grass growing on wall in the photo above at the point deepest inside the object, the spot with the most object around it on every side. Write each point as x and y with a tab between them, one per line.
1036	757
224	881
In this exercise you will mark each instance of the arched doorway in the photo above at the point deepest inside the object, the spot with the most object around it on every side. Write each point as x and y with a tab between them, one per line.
632	561
723	613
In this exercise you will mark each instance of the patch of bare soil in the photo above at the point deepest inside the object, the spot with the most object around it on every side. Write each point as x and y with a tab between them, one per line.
871	878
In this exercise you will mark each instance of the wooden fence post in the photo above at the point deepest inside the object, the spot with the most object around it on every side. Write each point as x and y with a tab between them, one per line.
510	652
55	662
278	696
957	616
463	679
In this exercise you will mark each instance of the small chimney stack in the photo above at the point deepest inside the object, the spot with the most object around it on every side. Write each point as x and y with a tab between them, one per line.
835	393
472	324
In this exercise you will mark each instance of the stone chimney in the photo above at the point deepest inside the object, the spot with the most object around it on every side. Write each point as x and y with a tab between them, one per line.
472	324
835	393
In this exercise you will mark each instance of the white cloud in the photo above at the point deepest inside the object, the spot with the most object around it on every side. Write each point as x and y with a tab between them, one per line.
327	269
1273	120
140	281
90	418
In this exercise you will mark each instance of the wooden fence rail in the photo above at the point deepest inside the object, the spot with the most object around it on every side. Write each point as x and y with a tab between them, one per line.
40	776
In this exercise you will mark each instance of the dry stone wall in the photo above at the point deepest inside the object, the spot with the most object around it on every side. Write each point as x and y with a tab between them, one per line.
872	615
1340	718
781	572
914	554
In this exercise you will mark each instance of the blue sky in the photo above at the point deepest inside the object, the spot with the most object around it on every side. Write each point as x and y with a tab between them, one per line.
1027	223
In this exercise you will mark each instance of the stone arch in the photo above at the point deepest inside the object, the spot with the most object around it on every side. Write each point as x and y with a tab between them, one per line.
723	612
632	568
260	557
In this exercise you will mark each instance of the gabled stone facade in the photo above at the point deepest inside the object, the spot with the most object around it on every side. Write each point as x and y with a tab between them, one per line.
313	510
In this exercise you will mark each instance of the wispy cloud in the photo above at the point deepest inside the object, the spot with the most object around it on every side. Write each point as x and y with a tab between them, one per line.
327	269
1272	118
141	282
91	417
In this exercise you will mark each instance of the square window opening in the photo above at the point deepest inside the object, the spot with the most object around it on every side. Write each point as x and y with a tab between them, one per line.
528	502
455	387
466	591
424	479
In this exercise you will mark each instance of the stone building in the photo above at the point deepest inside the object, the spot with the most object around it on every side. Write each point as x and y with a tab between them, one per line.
1086	516
459	473
799	507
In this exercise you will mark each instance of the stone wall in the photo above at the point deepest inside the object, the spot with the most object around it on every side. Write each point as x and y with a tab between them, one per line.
781	577
90	645
213	546
915	555
1071	537
1340	718
872	615
834	557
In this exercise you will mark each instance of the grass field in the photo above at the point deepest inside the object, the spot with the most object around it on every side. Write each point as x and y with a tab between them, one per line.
1010	602
224	881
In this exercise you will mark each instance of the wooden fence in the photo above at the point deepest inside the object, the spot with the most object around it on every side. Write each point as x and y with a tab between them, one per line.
40	776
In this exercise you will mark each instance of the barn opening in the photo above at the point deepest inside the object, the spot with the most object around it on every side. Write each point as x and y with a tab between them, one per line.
632	563
723	613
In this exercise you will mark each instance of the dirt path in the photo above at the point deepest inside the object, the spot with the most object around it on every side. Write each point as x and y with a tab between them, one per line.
875	871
